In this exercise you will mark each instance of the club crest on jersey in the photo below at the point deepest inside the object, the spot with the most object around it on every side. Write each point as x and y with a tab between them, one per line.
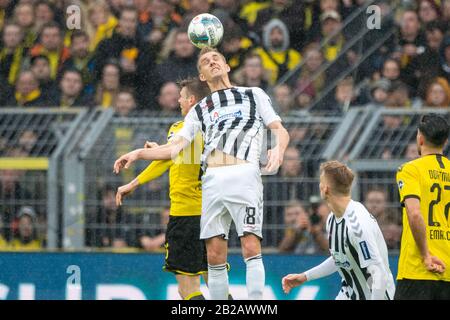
340	260
400	184
217	116
170	135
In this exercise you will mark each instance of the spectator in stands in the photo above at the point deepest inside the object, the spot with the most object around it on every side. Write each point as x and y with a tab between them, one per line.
101	23
444	53
389	221
154	27
379	93
411	42
291	13
426	65
40	66
51	45
3	243
12	52
81	59
411	151
70	93
27	92
44	13
276	54
344	97
28	141
428	11
252	73
445	6
6	7
135	57
331	22
109	85
438	93
24	17
168	98
391	69
235	47
310	83
154	240
107	227
182	61
298	237
26	237
400	97
125	104
283	98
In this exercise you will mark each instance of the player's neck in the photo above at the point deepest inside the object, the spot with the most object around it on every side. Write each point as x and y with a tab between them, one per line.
338	205
219	84
427	151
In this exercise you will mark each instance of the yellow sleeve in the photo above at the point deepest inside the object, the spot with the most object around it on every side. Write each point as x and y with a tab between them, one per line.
408	178
157	168
154	170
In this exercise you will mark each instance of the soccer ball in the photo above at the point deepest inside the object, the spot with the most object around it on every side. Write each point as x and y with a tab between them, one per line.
205	30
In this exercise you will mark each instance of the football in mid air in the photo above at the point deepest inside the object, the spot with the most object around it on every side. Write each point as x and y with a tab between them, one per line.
205	30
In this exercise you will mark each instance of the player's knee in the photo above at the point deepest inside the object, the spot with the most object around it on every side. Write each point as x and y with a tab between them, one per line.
251	246
216	257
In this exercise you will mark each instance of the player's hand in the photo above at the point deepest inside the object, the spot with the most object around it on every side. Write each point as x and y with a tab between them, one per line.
125	161
292	280
122	191
150	144
434	264
275	158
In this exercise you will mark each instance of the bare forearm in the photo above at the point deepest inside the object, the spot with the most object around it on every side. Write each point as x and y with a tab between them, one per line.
164	152
282	137
418	230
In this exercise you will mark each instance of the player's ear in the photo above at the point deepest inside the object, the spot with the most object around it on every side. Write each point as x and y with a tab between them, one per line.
228	68
201	77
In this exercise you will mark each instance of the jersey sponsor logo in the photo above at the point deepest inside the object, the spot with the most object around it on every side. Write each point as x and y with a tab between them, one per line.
400	184
364	250
340	260
218	116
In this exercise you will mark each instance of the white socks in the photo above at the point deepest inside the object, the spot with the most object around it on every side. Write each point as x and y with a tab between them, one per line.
255	277
218	281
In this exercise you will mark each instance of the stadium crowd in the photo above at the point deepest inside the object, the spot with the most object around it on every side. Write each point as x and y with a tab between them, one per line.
129	54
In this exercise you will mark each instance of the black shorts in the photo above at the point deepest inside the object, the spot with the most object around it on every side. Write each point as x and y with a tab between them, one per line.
185	252
408	289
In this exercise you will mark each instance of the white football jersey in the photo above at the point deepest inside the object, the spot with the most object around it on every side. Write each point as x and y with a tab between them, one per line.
355	242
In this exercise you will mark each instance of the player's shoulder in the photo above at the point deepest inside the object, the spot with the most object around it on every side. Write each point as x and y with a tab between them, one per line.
358	219
412	165
177	125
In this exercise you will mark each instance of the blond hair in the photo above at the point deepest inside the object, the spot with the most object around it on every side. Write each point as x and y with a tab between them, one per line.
339	176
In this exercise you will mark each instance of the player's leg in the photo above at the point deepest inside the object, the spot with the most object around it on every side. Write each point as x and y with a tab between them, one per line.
185	255
245	204
217	248
214	228
255	276
189	287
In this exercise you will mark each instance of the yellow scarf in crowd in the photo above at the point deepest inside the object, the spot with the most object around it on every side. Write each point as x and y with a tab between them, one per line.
15	65
104	31
22	99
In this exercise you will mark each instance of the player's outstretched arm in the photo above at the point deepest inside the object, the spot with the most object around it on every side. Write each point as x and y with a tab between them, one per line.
164	152
275	155
418	229
379	280
322	270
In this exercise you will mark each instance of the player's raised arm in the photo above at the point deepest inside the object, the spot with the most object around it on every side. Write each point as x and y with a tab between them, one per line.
164	152
275	155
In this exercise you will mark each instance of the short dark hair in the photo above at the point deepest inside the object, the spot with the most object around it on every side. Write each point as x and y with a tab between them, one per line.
71	70
194	86
434	128
78	34
39	57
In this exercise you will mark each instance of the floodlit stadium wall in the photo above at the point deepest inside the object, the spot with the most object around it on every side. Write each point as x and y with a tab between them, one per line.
104	276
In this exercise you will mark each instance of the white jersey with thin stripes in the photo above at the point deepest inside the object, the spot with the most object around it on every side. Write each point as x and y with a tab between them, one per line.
231	120
355	242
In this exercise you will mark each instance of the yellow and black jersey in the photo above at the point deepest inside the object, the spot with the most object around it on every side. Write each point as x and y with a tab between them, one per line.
427	179
184	176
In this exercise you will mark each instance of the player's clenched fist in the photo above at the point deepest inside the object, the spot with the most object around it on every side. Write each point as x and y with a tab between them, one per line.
292	280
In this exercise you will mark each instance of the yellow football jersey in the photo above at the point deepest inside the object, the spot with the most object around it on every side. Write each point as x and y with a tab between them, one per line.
428	179
184	176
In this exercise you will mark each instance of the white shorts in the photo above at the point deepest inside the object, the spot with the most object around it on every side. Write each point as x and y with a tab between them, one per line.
232	193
